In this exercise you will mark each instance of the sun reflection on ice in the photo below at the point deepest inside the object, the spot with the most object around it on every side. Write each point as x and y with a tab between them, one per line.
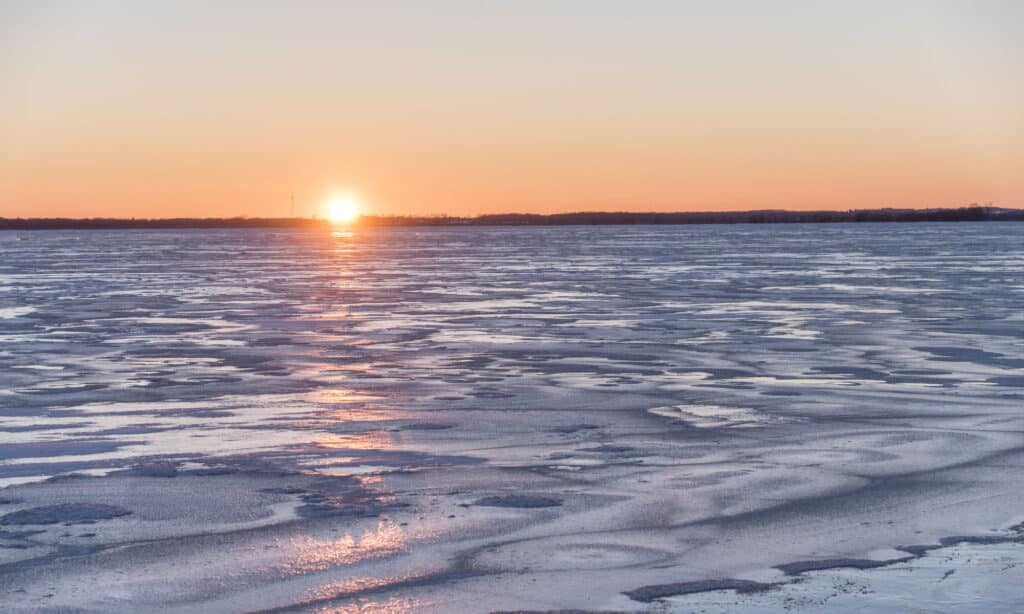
312	554
373	440
385	540
343	395
393	605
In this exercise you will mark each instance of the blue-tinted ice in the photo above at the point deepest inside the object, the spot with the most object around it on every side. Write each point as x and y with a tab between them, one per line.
482	419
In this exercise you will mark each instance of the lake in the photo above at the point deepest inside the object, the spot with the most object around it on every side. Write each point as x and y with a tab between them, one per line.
513	418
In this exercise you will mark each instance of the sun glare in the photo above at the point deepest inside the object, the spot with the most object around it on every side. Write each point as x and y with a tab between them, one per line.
343	210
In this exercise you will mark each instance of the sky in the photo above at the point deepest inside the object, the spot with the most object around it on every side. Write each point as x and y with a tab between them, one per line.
188	108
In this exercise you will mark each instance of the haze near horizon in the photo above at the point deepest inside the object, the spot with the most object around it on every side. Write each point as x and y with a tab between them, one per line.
242	108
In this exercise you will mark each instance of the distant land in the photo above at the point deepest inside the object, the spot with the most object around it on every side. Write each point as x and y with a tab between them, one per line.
973	213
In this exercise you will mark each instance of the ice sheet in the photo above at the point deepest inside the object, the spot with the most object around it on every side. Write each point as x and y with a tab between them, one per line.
309	420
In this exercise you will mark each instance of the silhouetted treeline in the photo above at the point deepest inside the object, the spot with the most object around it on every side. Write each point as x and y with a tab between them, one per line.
963	214
972	213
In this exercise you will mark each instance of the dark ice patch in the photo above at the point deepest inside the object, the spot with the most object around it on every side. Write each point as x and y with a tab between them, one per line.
68	513
139	429
471	362
333	509
799	567
858	372
608	449
486	394
647	594
1010	381
198	413
981	357
572	428
904	379
424	426
521	501
156	469
335	497
981	539
70	447
71	389
271	341
19	534
47	426
918	550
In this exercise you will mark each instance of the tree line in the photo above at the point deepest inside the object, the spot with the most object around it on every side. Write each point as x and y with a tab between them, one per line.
973	213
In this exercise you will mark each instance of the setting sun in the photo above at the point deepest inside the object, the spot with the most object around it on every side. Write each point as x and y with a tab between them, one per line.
343	210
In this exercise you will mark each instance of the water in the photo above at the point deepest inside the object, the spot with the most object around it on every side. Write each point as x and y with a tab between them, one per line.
694	402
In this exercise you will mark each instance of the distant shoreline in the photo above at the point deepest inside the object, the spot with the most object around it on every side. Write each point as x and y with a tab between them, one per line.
961	214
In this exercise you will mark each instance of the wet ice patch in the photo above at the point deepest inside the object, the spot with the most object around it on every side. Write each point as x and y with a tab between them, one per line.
68	513
521	501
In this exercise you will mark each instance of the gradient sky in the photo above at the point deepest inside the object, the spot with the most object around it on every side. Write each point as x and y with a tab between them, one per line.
181	108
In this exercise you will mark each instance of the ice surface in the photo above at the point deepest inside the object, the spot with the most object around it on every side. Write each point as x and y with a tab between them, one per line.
598	418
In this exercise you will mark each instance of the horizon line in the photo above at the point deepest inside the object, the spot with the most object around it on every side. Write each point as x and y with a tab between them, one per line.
972	213
448	216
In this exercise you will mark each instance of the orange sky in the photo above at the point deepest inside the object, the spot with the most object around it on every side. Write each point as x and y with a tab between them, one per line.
187	109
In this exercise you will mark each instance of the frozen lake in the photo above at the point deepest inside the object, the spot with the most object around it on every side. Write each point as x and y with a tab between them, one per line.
484	419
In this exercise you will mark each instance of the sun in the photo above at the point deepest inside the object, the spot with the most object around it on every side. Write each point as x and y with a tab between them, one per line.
343	210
